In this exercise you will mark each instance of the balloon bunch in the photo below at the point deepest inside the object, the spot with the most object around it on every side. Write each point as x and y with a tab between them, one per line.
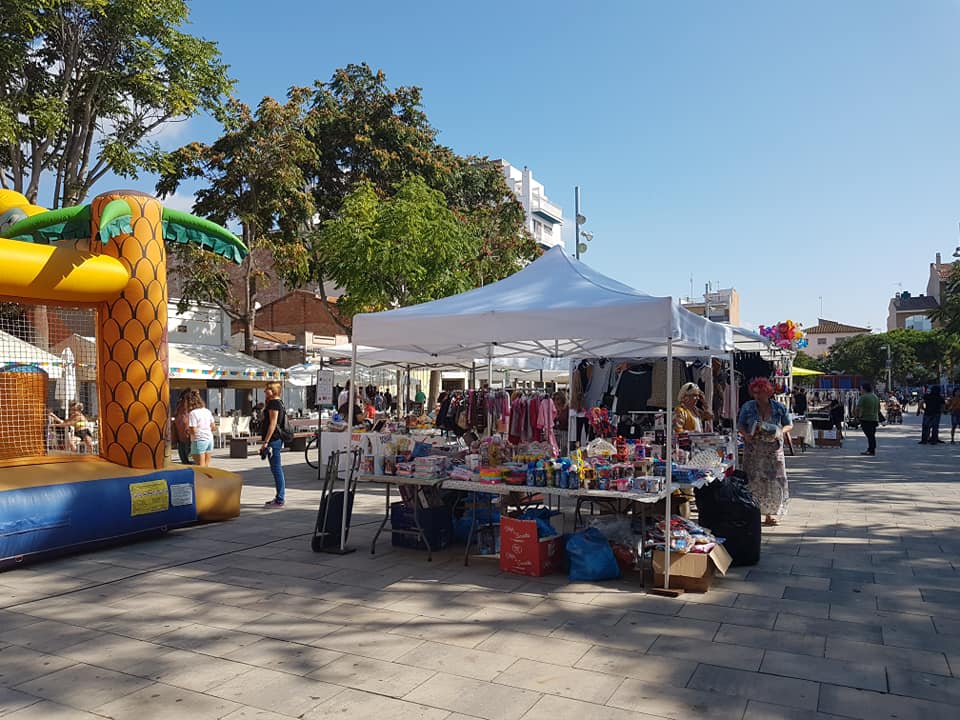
786	335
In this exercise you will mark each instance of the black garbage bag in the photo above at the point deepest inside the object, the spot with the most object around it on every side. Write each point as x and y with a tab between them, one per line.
728	508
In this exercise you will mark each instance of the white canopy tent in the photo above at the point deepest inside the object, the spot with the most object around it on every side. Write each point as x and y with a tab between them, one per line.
14	352
555	307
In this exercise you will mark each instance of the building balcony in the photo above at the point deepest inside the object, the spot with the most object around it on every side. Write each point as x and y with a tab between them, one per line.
546	209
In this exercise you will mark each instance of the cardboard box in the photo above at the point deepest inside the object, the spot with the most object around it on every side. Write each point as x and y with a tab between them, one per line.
522	553
691	571
828	438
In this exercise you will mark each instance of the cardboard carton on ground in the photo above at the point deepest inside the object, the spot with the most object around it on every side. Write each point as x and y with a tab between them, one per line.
691	571
828	438
522	553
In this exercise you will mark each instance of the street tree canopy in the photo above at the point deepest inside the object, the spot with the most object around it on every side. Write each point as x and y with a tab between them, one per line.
917	357
254	178
400	250
86	84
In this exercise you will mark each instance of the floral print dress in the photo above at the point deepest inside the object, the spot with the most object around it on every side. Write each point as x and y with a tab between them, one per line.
763	462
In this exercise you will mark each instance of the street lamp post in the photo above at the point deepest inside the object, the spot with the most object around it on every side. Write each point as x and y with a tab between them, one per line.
579	247
889	368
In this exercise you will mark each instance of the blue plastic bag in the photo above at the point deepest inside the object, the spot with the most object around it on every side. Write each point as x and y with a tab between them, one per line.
542	517
591	557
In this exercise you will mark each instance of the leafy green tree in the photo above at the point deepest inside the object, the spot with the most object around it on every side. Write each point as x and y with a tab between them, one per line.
400	250
810	363
916	356
254	177
947	316
86	84
366	132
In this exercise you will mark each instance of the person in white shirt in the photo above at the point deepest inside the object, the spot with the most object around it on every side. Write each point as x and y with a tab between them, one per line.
202	428
343	400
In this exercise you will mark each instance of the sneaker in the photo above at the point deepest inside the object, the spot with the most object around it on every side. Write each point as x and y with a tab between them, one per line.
273	504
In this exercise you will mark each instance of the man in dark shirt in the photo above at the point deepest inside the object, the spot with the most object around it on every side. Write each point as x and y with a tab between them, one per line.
799	401
932	406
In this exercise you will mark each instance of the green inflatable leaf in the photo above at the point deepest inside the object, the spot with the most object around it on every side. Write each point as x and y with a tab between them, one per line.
114	220
72	223
185	228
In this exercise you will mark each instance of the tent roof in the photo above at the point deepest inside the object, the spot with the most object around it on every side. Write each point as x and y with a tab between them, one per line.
555	307
14	351
210	362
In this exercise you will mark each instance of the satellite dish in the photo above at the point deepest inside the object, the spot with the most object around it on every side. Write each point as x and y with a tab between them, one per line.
581	219
581	248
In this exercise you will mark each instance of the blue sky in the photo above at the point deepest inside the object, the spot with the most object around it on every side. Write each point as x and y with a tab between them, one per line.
791	150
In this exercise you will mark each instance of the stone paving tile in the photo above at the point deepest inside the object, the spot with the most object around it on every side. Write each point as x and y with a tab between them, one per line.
675	627
83	686
868	705
206	639
532	647
573	683
376	676
801	643
48	636
657	669
551	707
757	710
363	641
733	656
19	664
185	669
466	662
484	700
829	597
46	710
113	652
158	701
627	637
13	700
284	656
768	688
891	657
927	686
467	634
838	672
356	704
830	628
793	607
276	691
676	703
735	616
252	713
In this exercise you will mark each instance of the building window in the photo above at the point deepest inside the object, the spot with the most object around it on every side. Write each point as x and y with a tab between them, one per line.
821	341
918	322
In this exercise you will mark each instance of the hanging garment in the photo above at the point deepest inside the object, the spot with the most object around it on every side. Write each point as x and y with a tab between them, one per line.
658	389
547	414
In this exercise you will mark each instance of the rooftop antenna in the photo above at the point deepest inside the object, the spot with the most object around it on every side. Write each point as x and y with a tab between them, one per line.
821	307
691	286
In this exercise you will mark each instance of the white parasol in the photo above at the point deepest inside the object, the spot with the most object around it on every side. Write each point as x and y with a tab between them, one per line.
66	388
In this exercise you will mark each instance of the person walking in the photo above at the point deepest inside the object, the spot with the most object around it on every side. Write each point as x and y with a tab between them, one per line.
953	406
181	427
932	407
274	417
762	421
836	417
202	427
868	410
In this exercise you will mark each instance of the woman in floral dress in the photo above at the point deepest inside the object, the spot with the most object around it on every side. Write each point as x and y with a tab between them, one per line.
762	422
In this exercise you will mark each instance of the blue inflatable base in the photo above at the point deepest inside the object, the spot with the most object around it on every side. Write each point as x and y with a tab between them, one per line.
56	518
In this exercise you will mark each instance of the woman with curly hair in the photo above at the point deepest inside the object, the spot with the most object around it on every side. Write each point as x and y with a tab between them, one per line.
762	422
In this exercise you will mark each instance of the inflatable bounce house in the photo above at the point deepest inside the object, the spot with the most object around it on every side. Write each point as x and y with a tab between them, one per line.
108	260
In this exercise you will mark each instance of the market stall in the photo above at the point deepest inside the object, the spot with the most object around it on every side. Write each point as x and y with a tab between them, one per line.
556	307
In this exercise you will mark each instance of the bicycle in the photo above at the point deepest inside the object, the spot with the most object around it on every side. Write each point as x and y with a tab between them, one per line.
313	444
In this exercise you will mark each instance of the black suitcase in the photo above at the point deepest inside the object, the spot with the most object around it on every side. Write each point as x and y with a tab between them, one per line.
327	535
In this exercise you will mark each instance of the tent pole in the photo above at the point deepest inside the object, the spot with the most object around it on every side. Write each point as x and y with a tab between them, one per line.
668	451
734	393
346	477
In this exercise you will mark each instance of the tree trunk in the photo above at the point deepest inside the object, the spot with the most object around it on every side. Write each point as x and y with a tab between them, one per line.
434	389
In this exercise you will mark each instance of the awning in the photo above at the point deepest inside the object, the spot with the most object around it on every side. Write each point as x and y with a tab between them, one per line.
804	372
203	363
16	352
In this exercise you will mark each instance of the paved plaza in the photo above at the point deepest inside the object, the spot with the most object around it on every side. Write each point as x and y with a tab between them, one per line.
853	611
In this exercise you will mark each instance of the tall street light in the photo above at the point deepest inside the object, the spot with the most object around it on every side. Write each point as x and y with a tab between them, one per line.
889	368
579	247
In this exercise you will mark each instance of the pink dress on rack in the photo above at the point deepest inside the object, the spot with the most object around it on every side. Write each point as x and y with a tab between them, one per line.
547	414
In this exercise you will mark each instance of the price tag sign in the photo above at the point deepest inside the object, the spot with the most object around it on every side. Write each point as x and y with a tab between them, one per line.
325	387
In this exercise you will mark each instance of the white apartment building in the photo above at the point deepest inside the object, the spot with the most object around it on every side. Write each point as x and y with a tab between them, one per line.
544	219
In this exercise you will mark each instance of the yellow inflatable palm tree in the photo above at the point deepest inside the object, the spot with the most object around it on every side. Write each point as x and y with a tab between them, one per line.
111	255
